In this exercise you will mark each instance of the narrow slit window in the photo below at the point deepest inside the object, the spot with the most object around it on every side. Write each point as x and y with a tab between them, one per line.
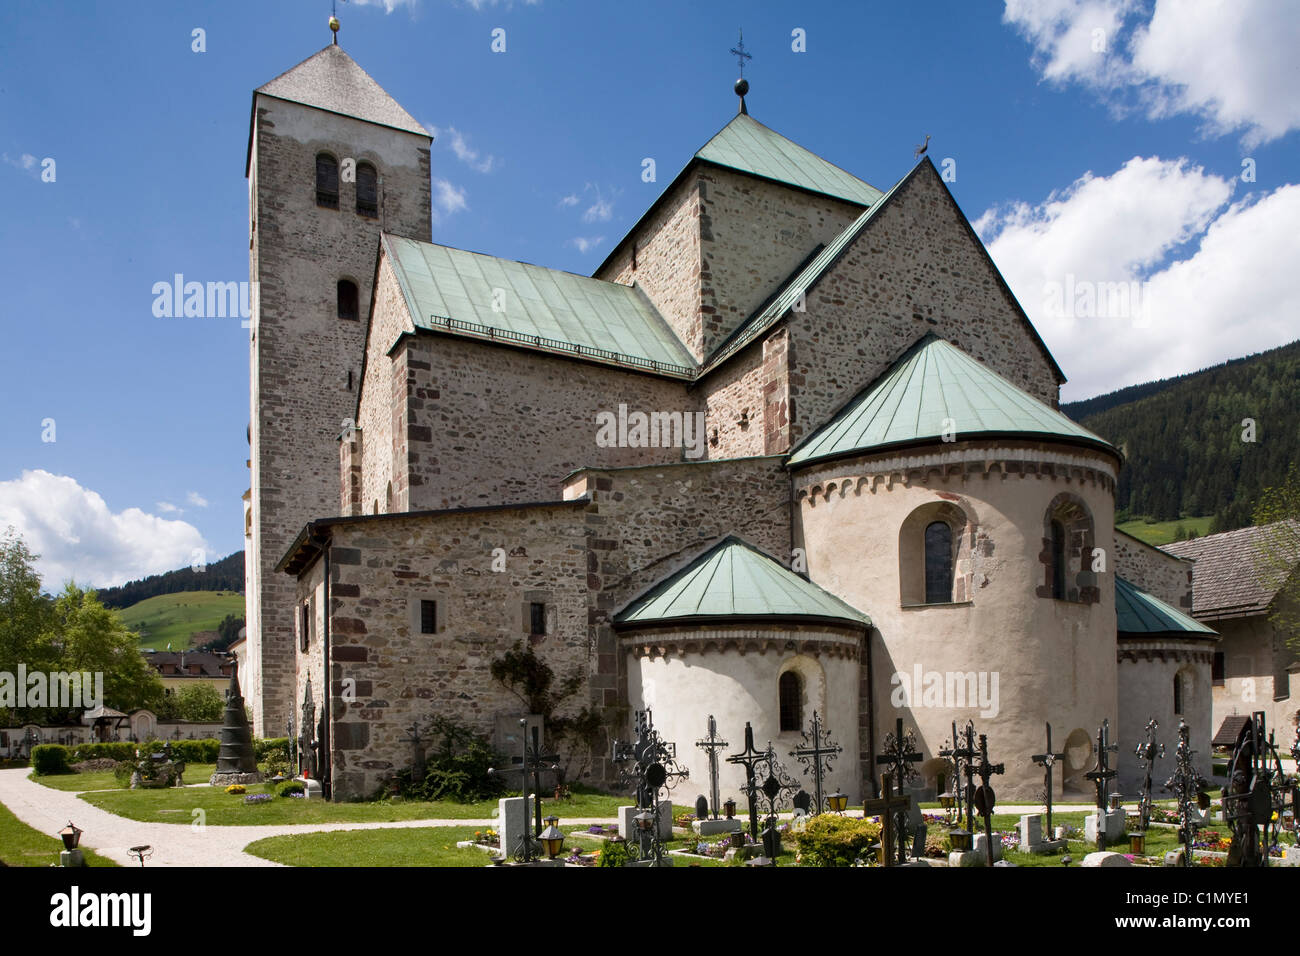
428	617
537	619
347	300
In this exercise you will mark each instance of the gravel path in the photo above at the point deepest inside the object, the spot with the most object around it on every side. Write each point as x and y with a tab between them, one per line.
174	844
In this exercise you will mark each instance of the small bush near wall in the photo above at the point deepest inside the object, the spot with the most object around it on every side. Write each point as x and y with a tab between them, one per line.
271	747
110	751
50	759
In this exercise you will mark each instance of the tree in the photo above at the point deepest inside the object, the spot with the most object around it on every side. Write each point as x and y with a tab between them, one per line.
24	614
200	702
91	638
1279	511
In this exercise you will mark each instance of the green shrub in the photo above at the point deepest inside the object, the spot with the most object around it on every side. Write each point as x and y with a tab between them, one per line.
269	747
290	786
275	765
111	751
455	769
831	840
122	773
195	751
614	853
50	759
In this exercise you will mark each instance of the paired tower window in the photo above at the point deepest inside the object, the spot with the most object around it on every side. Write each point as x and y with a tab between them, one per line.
327	181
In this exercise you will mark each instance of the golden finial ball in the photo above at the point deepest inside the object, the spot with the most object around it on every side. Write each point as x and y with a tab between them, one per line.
334	24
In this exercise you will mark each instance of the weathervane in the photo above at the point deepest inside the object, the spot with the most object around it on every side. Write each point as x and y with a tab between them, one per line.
742	84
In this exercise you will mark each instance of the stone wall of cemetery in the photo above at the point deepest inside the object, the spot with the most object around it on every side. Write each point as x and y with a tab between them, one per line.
915	268
1165	575
304	360
1053	660
380	569
731	673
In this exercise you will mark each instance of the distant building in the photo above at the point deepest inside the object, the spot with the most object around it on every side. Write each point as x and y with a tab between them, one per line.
1238	577
181	669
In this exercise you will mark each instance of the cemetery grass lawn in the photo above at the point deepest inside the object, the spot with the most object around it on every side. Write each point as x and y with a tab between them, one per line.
430	846
20	845
223	809
104	779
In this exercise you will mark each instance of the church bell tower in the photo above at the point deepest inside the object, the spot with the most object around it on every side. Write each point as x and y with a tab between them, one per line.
333	161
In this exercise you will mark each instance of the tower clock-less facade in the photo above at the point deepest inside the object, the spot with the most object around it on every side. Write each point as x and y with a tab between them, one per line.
332	162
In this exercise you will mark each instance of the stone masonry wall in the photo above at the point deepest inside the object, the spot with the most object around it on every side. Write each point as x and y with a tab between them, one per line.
667	262
380	570
645	523
383	397
754	235
748	400
494	424
305	361
1166	576
914	269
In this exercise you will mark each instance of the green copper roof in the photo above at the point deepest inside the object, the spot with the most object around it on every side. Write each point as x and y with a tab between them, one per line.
933	388
749	146
735	579
1141	613
484	297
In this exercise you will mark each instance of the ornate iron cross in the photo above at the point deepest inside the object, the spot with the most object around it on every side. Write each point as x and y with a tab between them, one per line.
738	51
1047	760
899	753
890	807
954	758
417	751
1148	751
966	752
985	798
651	764
1101	775
1186	784
711	745
1252	797
532	761
749	758
773	784
816	753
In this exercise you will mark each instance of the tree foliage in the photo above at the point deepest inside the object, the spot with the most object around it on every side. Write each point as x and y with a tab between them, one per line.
70	632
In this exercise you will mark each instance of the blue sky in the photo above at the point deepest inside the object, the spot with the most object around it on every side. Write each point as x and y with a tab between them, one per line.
1093	142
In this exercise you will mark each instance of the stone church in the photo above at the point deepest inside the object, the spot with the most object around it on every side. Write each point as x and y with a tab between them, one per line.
793	447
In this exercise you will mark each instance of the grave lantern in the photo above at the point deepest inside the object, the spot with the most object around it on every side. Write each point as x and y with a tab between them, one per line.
645	821
838	801
1137	843
729	808
552	837
71	836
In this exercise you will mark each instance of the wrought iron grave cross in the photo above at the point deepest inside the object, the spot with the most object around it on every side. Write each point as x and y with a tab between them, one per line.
1101	775
749	758
532	761
711	745
985	798
1148	751
1186	784
1047	760
889	806
954	756
816	753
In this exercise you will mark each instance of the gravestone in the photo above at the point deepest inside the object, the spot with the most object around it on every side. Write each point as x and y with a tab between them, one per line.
627	821
1032	839
978	854
1106	858
513	823
1113	827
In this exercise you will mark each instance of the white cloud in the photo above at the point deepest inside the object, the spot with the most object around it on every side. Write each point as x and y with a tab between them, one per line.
388	5
196	499
26	162
1229	62
584	243
485	4
1204	280
569	200
447	198
78	537
464	152
167	508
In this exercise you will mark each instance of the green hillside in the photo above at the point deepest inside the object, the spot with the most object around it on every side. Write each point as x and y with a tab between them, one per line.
174	617
1207	443
1166	532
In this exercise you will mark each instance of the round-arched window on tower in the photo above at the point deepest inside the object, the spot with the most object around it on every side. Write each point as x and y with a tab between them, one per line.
347	300
327	181
367	191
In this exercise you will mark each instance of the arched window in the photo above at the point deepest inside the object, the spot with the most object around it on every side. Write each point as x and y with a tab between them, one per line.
790	692
1067	556
388	499
1178	694
1058	560
347	299
367	191
327	181
938	563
